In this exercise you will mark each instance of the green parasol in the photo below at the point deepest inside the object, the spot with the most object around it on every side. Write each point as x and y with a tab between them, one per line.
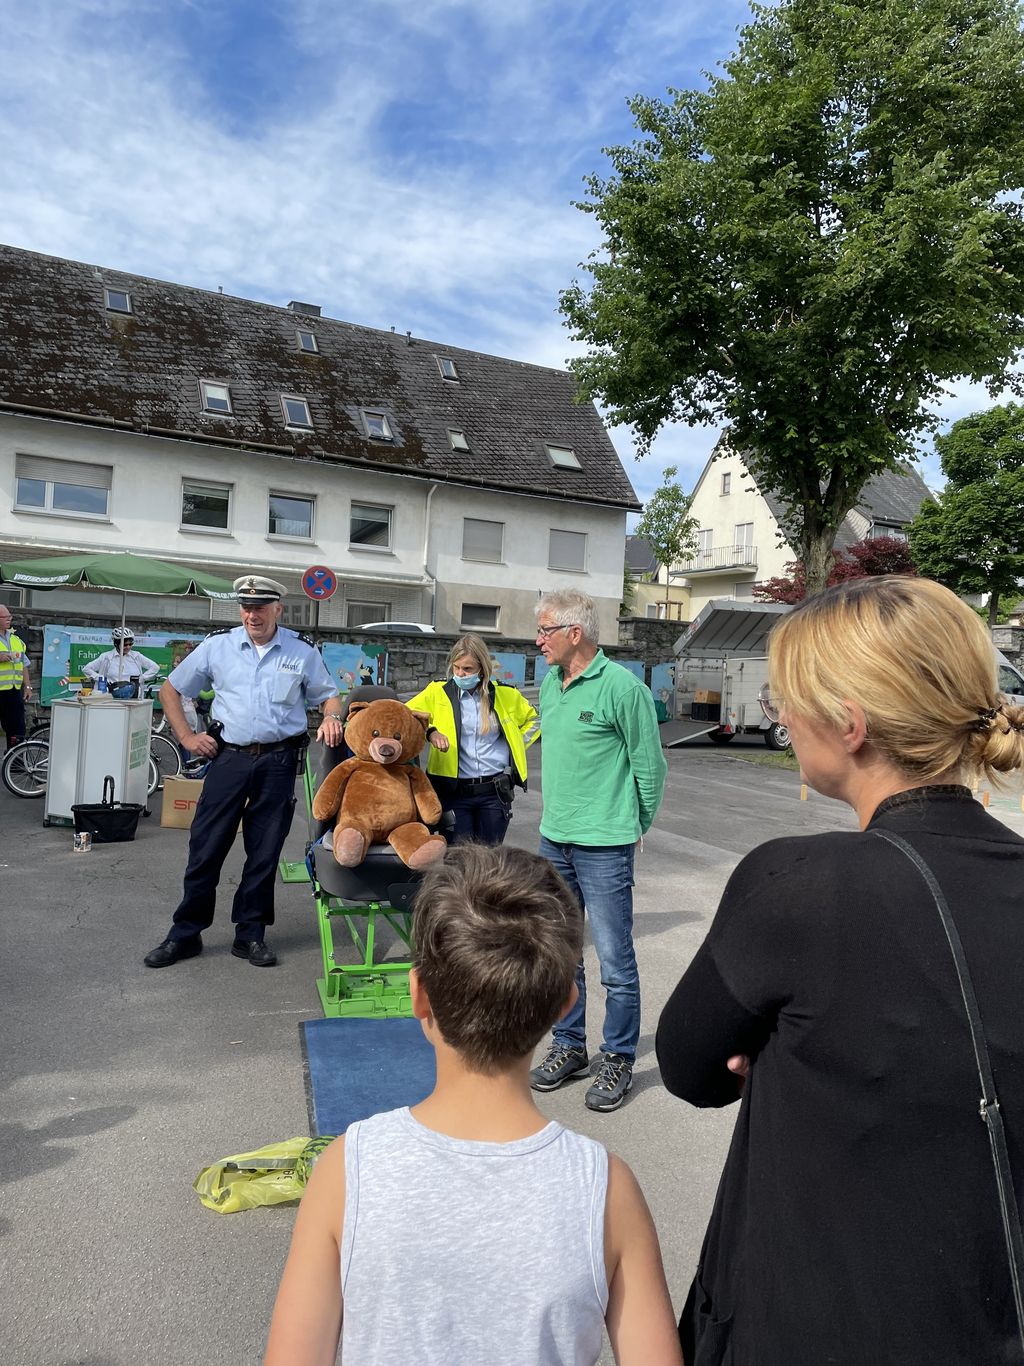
121	572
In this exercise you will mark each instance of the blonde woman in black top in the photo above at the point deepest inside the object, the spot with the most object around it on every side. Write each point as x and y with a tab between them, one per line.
858	1219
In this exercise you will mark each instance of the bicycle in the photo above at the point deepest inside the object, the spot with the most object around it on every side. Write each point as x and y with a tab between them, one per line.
25	768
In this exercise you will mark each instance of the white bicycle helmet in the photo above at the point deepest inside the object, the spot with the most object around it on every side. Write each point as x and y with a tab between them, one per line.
122	633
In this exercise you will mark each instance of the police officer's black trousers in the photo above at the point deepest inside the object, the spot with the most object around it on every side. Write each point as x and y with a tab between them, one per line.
259	790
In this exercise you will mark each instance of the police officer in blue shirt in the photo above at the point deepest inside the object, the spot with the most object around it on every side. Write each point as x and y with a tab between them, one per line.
264	677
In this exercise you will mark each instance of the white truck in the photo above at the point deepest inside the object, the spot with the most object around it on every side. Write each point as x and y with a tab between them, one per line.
724	652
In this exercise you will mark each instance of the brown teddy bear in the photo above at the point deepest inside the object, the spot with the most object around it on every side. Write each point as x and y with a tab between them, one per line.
380	795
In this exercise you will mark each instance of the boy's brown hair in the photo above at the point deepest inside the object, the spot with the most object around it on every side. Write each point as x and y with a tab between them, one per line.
497	935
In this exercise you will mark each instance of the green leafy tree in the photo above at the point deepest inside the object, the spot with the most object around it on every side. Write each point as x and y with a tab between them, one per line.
972	540
665	524
813	246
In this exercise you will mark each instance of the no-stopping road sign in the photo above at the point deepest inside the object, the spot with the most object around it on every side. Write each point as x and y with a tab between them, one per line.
319	582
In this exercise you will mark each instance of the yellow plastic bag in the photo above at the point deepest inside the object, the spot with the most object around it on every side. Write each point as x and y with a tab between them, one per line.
249	1180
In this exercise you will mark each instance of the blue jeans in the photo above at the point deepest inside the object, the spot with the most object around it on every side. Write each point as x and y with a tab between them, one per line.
602	878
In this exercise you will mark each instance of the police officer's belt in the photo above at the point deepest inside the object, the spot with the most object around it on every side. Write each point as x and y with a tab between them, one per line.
479	782
269	746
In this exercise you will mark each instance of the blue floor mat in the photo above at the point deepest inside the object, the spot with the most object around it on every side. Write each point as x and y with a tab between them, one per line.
356	1068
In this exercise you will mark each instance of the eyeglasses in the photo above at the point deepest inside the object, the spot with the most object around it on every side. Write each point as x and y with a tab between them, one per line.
545	631
771	705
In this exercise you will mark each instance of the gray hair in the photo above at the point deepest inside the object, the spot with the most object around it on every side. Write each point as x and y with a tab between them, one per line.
570	607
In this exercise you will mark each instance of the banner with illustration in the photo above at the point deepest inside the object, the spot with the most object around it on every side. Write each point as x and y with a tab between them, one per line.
350	665
67	650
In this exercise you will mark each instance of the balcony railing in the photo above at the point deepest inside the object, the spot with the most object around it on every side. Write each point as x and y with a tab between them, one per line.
720	558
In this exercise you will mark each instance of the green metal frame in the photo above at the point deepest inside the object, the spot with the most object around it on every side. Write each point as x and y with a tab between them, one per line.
368	989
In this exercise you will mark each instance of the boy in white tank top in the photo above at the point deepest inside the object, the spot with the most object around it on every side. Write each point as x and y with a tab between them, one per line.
468	1229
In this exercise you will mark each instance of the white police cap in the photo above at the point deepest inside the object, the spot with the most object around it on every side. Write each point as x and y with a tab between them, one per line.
253	590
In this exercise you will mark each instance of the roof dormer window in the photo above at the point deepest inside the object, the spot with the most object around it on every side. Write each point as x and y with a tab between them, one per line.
307	341
378	428
447	368
118	300
216	398
563	457
296	411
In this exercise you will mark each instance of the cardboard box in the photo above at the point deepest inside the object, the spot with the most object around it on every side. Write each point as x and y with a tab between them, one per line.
180	797
706	695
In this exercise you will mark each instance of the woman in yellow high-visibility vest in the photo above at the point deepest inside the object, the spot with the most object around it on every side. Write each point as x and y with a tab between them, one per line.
479	732
15	687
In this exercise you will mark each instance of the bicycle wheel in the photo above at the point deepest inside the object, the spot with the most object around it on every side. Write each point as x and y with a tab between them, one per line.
166	755
154	777
40	731
25	767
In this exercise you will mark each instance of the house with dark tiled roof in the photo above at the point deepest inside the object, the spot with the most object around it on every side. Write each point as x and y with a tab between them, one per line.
440	484
741	540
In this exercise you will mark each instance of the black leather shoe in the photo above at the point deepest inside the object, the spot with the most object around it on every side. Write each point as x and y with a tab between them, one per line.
171	950
258	954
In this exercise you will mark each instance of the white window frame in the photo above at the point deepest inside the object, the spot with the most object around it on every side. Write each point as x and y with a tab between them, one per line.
188	527
465	625
374	611
746	540
206	386
726	483
499	558
304	426
376	507
458	439
567	531
705	543
66	467
563	457
108	295
445	364
300	333
375	415
296	613
299	498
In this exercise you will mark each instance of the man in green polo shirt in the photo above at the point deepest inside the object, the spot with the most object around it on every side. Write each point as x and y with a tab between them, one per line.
602	774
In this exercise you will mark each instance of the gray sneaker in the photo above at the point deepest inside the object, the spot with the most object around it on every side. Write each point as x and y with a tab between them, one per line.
612	1079
559	1065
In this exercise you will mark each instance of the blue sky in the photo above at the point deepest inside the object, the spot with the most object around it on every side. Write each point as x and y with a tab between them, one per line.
400	162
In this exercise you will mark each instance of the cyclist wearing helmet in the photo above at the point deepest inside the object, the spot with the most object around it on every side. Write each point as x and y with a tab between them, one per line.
121	664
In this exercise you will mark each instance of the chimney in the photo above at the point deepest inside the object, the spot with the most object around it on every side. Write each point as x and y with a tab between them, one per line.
310	310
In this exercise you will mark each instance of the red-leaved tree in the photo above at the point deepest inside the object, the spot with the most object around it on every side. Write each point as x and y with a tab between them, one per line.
868	558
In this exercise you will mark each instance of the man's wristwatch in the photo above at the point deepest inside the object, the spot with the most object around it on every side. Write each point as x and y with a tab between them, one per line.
430	731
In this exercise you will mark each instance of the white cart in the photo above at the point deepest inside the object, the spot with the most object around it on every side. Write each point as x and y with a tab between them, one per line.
88	740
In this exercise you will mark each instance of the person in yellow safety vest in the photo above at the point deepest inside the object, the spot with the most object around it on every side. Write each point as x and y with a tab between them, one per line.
15	687
479	732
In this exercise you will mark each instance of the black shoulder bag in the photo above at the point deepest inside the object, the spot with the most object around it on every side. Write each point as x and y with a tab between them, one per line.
989	1107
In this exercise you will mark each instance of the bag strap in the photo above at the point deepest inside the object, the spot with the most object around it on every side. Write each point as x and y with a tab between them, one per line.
989	1106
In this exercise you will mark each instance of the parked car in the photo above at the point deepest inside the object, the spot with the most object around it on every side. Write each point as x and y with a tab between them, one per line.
398	628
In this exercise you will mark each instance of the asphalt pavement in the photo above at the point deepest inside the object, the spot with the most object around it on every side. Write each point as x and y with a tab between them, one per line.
119	1083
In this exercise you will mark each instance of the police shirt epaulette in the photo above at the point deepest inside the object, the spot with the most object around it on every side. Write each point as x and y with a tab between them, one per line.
308	639
221	631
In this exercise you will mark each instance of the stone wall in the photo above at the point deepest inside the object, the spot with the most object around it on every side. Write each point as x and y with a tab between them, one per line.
1009	639
412	660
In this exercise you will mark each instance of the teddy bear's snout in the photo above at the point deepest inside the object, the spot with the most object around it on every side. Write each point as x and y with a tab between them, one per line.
386	751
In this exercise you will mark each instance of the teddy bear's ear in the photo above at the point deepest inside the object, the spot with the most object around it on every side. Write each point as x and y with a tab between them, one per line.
353	707
423	717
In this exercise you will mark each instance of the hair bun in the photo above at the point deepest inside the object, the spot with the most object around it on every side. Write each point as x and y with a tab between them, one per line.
1002	746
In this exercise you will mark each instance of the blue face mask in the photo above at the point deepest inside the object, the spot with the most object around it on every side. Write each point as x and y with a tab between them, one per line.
468	683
